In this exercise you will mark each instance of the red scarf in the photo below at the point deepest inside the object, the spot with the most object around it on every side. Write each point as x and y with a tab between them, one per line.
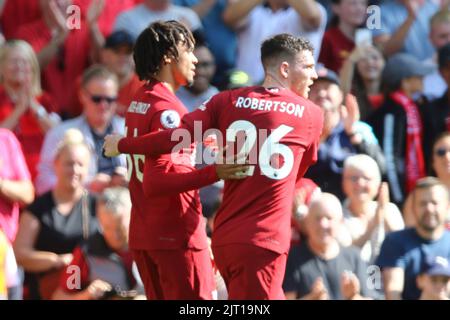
415	164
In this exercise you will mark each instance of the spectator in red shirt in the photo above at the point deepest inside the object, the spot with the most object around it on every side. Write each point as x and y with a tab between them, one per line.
103	262
63	54
117	56
16	13
24	107
339	40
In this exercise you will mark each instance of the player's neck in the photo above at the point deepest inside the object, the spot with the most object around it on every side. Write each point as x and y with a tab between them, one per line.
166	78
272	81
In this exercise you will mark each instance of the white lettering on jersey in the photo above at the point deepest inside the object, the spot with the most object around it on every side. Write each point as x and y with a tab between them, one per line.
170	119
138	107
268	105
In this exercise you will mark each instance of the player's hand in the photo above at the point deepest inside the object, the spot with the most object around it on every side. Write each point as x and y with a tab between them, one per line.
111	145
97	289
233	171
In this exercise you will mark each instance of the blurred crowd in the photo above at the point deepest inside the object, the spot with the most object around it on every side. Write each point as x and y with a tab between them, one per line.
370	219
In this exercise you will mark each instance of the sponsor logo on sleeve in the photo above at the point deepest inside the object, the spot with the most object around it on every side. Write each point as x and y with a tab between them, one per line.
170	119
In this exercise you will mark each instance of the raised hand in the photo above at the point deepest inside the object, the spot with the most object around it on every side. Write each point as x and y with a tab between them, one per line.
59	21
94	11
413	7
350	113
383	201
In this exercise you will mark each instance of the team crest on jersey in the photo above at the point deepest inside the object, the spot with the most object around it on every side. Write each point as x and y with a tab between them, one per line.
170	119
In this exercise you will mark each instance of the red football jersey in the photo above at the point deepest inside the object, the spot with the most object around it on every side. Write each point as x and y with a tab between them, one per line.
165	214
282	134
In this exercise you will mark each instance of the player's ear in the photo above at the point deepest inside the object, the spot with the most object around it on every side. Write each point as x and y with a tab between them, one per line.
167	59
284	69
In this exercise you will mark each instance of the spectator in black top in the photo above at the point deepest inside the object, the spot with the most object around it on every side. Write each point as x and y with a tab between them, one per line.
436	114
104	261
320	268
398	125
57	221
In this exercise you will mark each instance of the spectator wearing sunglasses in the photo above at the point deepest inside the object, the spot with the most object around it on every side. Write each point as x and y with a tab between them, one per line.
117	55
98	95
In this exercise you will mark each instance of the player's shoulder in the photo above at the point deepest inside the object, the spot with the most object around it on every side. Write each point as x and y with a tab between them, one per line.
234	94
313	109
155	97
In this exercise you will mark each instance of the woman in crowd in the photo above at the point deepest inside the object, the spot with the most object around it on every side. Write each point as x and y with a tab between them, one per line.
361	76
16	189
339	39
398	124
58	220
24	108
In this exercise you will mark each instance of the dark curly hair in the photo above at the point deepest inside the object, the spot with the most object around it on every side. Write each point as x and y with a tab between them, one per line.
158	40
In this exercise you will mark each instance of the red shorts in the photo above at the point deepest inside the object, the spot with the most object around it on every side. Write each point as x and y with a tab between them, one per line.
251	272
176	274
